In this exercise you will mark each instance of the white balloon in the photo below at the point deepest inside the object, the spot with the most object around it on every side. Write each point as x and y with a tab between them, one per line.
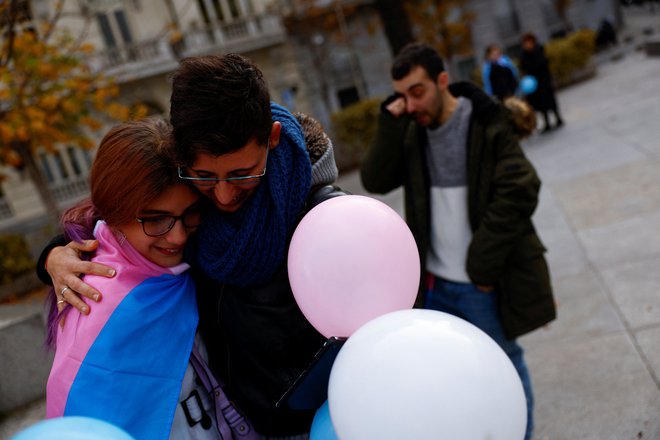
424	374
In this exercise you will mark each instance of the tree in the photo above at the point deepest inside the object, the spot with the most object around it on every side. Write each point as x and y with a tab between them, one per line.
318	24
443	24
561	7
49	95
396	23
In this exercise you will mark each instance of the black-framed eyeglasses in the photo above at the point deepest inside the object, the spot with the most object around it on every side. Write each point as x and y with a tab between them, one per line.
158	225
212	181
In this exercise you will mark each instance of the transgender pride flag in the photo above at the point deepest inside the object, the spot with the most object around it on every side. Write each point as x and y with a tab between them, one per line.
124	362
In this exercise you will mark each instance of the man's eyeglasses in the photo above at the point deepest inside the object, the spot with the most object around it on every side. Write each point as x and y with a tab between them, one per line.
246	181
162	224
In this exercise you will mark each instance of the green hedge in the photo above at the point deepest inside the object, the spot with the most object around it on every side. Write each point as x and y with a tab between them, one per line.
571	54
354	128
15	259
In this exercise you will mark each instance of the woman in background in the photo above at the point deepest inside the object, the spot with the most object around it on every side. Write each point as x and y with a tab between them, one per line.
534	62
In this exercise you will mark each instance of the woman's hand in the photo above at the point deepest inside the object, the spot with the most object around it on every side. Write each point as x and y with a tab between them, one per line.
65	268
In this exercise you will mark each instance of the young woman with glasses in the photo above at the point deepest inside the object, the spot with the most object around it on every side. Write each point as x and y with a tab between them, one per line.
128	362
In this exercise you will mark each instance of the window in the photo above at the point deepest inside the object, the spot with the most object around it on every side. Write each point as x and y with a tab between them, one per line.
114	28
120	17
46	167
106	30
73	160
64	173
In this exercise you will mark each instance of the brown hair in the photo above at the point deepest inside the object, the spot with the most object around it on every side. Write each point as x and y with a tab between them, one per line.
218	104
490	49
133	166
529	37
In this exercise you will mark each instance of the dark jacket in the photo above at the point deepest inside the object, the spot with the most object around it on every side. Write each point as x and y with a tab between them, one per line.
259	342
535	63
503	187
257	338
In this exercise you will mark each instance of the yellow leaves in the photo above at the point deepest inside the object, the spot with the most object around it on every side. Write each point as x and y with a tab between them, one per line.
444	25
70	106
49	102
11	158
86	48
118	111
139	111
86	143
51	96
22	134
6	133
48	71
90	122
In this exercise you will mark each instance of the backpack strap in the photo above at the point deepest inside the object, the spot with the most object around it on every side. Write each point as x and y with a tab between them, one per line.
229	421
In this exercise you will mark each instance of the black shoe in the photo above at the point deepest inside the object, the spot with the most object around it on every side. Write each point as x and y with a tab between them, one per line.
546	129
559	123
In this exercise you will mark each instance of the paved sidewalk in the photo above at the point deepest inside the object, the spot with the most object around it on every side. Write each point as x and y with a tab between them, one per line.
596	369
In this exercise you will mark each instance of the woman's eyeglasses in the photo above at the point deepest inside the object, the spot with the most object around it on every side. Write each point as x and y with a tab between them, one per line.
162	224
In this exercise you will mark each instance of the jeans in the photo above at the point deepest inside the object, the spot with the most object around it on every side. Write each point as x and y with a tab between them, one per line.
480	308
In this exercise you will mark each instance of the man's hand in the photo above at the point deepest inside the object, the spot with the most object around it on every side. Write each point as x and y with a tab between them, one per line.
65	269
397	107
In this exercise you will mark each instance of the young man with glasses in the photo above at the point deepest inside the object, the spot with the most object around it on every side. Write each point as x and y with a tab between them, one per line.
262	168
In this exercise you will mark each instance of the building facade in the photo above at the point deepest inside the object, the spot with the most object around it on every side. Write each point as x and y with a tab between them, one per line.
312	69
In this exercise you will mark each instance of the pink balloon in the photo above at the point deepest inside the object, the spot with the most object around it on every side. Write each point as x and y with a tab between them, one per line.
352	259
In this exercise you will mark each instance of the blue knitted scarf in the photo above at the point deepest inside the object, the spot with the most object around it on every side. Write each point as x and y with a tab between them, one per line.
247	246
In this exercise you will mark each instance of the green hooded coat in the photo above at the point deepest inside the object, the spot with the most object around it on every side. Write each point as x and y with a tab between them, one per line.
503	187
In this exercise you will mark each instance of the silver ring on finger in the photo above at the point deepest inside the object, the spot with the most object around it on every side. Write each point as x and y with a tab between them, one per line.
64	289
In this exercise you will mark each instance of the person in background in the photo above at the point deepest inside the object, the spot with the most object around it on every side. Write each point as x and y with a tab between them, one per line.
469	194
262	168
534	62
499	74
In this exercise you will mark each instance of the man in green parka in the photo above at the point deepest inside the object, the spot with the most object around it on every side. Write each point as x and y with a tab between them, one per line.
470	193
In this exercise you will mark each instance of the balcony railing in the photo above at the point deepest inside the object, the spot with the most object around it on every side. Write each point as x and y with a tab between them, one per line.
152	57
70	190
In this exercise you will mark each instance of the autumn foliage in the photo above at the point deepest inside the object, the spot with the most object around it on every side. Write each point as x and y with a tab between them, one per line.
49	95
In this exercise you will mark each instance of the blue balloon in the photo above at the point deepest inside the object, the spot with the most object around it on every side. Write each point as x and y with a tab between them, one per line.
73	428
322	428
528	84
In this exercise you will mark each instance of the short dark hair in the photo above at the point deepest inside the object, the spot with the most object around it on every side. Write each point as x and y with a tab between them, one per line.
490	49
218	104
417	54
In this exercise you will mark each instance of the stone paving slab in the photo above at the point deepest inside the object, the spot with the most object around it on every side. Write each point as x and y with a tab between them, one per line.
584	311
574	152
604	198
629	240
648	342
592	389
634	286
565	255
